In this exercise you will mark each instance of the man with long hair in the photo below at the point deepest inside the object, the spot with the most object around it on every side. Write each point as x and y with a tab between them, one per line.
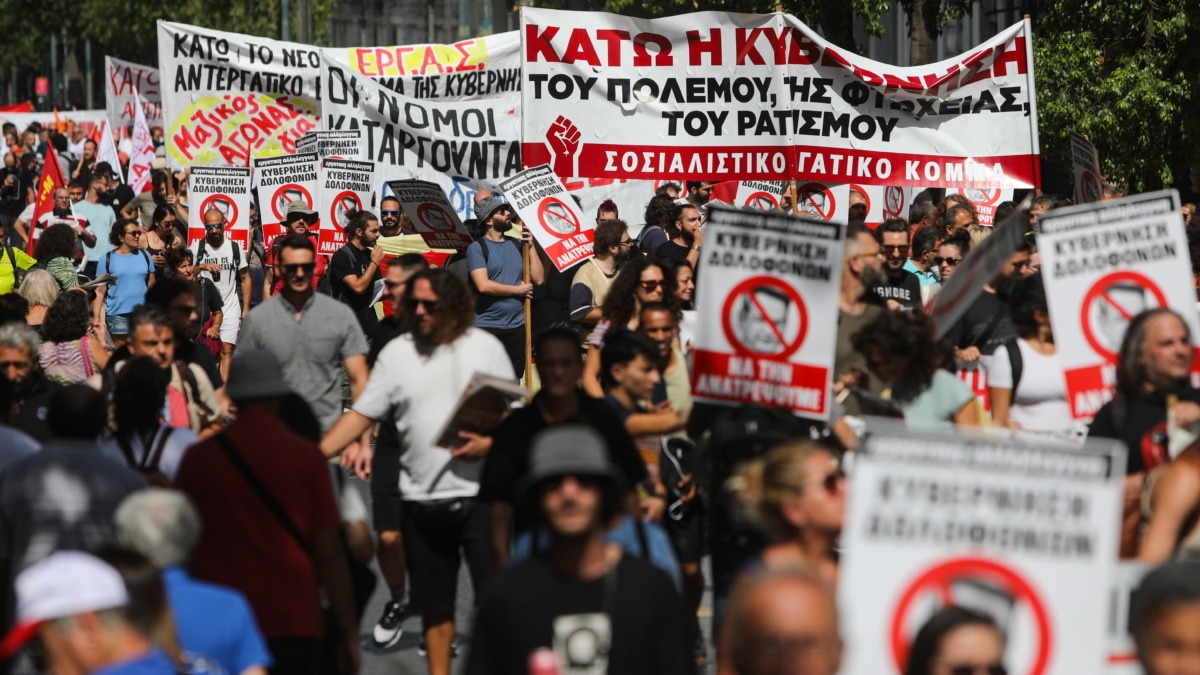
416	385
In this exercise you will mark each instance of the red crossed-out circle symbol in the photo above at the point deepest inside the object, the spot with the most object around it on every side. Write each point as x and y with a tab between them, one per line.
1090	186
344	203
1110	304
764	316
939	583
435	217
223	203
817	199
557	218
286	194
981	196
893	202
762	200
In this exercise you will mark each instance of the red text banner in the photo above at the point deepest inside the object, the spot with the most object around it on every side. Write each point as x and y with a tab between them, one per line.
124	82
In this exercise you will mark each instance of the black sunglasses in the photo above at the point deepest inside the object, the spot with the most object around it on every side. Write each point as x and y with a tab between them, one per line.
949	261
430	305
389	213
990	669
290	269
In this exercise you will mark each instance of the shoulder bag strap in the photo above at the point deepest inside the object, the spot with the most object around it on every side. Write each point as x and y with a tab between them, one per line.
155	455
260	489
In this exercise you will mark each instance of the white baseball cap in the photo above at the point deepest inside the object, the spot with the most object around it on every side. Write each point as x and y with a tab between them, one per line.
63	584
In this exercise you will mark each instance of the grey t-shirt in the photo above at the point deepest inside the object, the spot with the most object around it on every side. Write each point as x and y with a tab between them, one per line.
311	349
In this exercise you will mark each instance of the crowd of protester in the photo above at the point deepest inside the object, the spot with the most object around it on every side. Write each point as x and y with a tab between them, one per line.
183	423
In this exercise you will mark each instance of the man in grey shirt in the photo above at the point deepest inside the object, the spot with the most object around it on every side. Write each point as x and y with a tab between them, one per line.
312	335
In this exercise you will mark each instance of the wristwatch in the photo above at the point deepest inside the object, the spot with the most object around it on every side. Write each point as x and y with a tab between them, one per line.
695	247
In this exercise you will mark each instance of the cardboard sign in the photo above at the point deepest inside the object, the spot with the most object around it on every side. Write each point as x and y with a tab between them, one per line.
977	269
1104	263
1089	186
347	186
431	214
718	96
1027	533
538	196
282	180
333	144
226	189
770	284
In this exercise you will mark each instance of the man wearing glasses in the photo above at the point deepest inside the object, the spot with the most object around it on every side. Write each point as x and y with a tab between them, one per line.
299	220
312	335
899	288
862	270
224	262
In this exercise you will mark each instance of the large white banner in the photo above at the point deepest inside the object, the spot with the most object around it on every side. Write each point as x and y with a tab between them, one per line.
1103	264
89	120
722	96
770	285
124	82
229	98
1023	532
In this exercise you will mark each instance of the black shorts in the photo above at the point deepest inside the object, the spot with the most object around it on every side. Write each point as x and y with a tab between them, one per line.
385	488
687	534
437	536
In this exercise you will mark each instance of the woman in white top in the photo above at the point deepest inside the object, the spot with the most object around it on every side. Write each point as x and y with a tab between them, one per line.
1037	400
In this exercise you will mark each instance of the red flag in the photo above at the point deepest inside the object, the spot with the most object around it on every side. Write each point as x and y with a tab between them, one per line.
44	193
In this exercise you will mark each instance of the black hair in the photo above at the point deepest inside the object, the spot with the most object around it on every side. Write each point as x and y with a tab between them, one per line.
298	415
358	221
608	234
68	319
928	642
564	333
658	210
1173	584
952	215
907	338
408	261
57	241
299	241
76	411
1003	210
892	225
118	230
924	240
857	212
1027	298
919	211
150	315
166	290
137	397
961	239
621	347
672	223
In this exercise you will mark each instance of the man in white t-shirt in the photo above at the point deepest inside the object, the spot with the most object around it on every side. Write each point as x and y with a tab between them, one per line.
416	384
64	214
224	262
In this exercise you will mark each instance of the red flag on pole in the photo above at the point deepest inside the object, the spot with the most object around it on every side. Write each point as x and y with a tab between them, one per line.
44	194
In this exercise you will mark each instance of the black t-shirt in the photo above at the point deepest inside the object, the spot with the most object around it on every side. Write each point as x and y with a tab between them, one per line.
353	261
671	251
389	328
119	199
520	607
1141	422
904	289
208	299
508	460
30	412
985	325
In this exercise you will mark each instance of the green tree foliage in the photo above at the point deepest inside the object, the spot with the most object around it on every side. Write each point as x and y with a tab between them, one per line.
1123	73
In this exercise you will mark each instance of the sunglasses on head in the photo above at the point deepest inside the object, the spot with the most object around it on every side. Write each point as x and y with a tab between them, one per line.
651	285
951	261
990	669
291	269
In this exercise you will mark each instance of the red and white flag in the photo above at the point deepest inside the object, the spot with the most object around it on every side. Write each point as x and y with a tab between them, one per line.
50	179
106	150
141	160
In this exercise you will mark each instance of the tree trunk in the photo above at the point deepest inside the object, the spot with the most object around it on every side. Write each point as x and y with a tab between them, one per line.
919	40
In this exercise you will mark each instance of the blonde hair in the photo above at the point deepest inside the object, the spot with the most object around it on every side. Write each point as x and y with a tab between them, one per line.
39	288
978	234
762	485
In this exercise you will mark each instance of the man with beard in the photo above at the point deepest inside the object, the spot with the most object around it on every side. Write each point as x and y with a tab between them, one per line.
594	277
686	235
117	195
100	221
312	335
144	204
355	268
495	265
862	270
416	385
62	213
899	288
298	220
599	609
223	261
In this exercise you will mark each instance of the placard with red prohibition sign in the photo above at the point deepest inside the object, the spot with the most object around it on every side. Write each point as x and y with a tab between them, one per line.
546	208
1086	162
1023	531
985	201
760	194
824	201
331	144
767	276
345	186
228	190
430	212
282	180
895	202
1103	263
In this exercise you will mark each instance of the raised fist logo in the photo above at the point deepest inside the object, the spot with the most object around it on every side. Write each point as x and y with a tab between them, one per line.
563	137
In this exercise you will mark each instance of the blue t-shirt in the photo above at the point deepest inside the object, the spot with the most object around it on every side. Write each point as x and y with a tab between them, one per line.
132	271
504	266
215	622
154	662
100	222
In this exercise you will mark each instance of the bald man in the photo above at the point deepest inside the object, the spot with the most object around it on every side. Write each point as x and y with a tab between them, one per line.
782	621
224	262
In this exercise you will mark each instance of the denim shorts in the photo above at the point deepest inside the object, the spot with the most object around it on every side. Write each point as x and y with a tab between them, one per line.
118	324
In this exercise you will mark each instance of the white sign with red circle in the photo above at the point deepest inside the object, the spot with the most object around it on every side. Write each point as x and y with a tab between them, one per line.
761	194
431	214
226	189
824	201
1086	163
281	181
768	276
985	201
547	209
1103	264
1023	532
346	187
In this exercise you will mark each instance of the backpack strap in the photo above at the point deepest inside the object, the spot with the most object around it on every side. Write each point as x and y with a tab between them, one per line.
259	489
191	387
155	455
1016	362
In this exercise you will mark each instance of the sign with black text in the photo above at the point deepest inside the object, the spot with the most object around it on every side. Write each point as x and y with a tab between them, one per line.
538	196
281	181
226	189
347	186
431	213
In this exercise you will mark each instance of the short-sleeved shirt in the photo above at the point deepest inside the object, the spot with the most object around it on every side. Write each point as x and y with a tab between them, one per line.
215	622
351	261
100	220
243	545
904	289
75	221
8	278
504	266
132	271
927	278
311	349
230	264
272	260
936	406
669	250
1040	401
589	289
120	198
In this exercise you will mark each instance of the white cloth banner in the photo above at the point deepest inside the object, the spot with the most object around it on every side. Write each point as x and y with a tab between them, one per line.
106	149
142	159
722	96
124	84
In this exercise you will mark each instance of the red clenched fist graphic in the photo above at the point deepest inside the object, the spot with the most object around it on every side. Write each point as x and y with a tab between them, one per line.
563	137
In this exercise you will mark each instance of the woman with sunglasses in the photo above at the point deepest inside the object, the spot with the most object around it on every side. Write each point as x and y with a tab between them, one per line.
134	271
685	291
957	641
950	253
639	281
